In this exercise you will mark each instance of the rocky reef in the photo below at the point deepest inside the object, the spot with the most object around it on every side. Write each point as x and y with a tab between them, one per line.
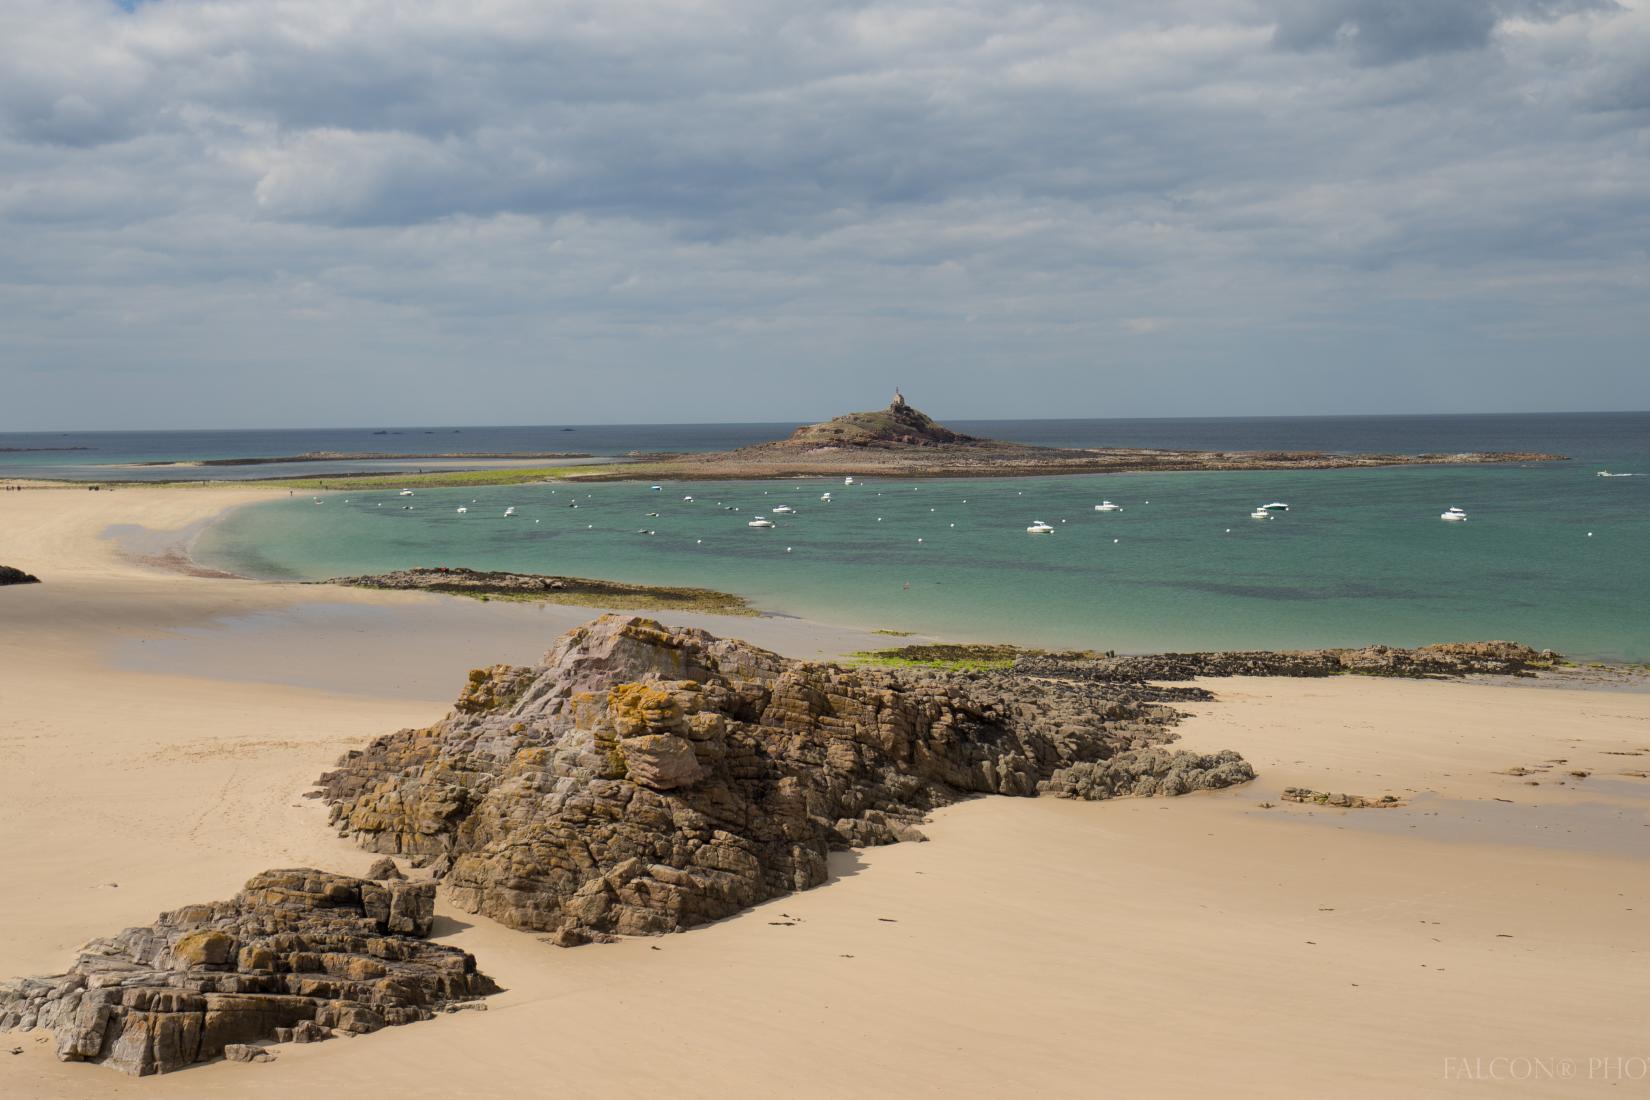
297	955
1447	660
644	779
488	584
12	575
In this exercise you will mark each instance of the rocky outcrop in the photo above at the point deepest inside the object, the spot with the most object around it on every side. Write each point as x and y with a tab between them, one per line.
296	955
1450	659
583	591
1341	800
1150	772
645	779
11	575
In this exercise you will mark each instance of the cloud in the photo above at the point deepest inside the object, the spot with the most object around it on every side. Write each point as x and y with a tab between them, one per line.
658	191
1383	32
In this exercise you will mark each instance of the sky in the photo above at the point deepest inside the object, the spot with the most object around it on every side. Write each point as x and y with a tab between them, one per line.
331	212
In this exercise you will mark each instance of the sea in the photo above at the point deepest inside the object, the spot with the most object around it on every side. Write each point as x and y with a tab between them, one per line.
1552	554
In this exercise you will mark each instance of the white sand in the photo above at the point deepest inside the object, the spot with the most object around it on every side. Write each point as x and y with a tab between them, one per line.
1172	947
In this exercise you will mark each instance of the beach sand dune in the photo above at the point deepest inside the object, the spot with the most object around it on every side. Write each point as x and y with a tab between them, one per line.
1177	947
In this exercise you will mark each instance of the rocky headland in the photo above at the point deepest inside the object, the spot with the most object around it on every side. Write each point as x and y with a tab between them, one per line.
901	441
298	955
644	779
12	575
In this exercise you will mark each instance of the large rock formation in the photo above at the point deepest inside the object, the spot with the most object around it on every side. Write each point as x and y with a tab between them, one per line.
1449	659
298	954
12	575
645	779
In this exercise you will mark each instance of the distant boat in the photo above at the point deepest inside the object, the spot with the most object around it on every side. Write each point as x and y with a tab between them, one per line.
462	509
825	497
1038	527
1454	515
1607	473
508	512
656	488
1276	506
1260	513
760	522
406	492
847	481
688	499
1108	506
784	510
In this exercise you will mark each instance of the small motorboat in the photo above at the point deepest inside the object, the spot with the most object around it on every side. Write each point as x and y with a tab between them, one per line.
461	509
688	499
1260	513
847	481
1275	506
406	493
1108	506
760	522
656	488
784	510
1454	515
1038	527
826	497
508	512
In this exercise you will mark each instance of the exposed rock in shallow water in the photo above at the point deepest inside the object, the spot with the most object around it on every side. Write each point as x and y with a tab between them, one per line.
12	575
645	779
1445	660
296	952
1344	801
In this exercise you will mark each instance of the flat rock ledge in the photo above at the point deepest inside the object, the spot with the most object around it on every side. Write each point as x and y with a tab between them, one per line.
298	955
645	779
1447	660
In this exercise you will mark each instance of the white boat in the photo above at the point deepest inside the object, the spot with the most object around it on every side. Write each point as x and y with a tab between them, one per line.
1601	473
847	481
1260	513
784	510
1108	506
508	512
462	509
655	488
688	499
1038	527
1275	506
760	522
1454	515
406	492
826	497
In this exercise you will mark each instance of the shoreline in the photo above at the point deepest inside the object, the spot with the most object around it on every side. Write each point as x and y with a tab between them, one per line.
137	787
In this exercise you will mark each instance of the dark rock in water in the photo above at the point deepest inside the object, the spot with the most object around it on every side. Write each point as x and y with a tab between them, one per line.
9	575
644	779
1431	661
297	951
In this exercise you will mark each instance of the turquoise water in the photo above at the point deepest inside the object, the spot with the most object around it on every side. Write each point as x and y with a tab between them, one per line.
1361	556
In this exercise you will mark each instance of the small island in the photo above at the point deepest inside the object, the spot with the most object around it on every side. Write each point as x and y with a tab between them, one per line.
901	441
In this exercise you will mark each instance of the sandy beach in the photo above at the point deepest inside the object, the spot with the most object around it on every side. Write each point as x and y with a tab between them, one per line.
161	728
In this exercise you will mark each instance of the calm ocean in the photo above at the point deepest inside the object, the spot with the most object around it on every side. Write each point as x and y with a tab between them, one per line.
1552	555
1360	557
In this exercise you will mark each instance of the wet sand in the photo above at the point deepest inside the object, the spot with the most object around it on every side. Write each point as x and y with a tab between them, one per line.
161	728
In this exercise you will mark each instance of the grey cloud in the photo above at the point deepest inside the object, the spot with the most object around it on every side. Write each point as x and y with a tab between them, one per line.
1381	32
1180	187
